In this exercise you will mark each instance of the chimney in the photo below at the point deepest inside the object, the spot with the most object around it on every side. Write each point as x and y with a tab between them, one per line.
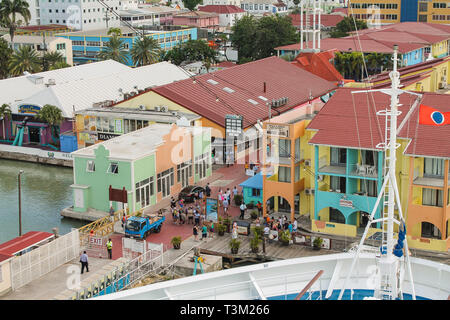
264	87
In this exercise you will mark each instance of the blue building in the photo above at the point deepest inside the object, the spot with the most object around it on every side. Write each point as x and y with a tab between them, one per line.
87	44
252	189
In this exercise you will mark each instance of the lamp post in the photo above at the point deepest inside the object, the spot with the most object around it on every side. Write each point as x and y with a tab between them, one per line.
20	205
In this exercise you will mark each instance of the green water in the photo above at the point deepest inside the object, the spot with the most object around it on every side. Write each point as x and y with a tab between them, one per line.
45	192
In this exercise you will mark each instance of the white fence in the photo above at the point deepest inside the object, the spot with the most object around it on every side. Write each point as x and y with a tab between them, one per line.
40	261
37	152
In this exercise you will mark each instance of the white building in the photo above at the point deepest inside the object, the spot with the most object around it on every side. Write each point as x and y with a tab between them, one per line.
260	7
222	2
61	45
80	14
228	14
148	15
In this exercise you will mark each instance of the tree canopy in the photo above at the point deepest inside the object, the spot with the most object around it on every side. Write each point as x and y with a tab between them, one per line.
347	25
191	51
191	4
5	54
257	38
145	51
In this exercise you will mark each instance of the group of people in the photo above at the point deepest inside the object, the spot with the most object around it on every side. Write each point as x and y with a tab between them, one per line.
280	224
184	214
225	198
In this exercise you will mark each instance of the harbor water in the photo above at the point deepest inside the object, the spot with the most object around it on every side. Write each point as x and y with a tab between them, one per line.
45	191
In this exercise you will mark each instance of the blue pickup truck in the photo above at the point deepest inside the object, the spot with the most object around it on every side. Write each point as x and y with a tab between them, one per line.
141	227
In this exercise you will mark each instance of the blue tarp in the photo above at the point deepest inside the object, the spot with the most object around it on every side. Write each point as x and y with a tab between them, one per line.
255	182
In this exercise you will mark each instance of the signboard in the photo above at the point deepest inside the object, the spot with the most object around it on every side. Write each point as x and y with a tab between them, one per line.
211	209
96	241
278	130
138	246
233	125
106	136
346	203
250	172
29	108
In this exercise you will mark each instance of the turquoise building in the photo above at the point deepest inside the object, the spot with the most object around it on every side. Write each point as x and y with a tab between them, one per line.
252	189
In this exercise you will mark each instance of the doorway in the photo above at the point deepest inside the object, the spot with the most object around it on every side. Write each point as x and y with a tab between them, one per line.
34	135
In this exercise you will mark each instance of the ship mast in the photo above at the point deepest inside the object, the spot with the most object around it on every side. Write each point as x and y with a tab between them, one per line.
391	266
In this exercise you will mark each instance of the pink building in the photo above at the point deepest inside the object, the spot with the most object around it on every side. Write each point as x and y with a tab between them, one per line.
197	19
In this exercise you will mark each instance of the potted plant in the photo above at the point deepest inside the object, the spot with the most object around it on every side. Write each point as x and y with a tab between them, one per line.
254	242
250	205
176	242
221	228
317	243
254	214
258	230
234	245
238	199
285	237
227	223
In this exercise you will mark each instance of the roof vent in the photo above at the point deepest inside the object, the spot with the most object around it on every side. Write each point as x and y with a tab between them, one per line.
212	81
252	101
229	90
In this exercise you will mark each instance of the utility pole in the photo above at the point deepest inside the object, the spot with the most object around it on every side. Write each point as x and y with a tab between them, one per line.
20	205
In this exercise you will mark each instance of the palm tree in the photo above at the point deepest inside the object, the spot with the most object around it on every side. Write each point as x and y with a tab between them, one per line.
5	112
115	31
5	55
24	59
59	65
145	51
9	12
50	58
53	116
114	50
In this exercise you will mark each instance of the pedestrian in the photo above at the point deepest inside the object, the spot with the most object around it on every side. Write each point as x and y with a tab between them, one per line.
124	220
259	206
84	262
111	214
294	226
173	203
290	227
181	203
235	192
183	217
196	218
109	247
257	223
195	232
268	206
234	232
204	231
190	215
242	207
266	231
211	229
200	195
225	206
208	190
228	194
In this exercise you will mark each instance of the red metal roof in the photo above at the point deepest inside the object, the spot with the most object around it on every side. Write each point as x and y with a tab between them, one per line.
350	120
221	9
318	64
44	27
246	82
20	243
4	257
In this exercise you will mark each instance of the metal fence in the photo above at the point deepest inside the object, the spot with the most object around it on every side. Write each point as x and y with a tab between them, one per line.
46	258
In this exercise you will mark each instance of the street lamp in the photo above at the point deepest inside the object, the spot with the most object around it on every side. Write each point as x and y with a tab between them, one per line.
20	205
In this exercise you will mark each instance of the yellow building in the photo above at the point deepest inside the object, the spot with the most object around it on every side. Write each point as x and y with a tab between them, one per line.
376	11
434	11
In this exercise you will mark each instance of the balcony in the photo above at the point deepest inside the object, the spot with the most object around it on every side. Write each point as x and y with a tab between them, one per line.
363	170
430	181
333	169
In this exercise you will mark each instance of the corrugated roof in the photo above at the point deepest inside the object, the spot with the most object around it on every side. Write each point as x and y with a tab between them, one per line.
255	182
351	122
221	9
25	241
318	64
247	80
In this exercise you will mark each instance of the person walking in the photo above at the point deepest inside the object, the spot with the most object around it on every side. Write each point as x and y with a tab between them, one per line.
111	214
235	191
195	232
225	206
211	229
259	206
204	231
109	248
234	232
196	217
242	207
294	227
84	262
208	190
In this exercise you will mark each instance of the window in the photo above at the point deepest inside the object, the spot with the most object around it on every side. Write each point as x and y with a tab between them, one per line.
60	46
144	190
433	167
297	173
256	192
337	184
432	197
284	148
369	187
284	174
113	168
78	43
184	171
90	166
423	7
336	216
429	230
338	156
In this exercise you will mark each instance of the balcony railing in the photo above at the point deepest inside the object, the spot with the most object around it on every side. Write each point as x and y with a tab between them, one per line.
363	170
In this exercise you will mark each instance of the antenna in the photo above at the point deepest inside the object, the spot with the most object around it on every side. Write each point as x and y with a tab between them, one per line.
310	8
389	286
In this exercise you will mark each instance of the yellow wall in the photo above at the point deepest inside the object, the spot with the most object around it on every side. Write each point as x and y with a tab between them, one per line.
333	228
359	12
434	11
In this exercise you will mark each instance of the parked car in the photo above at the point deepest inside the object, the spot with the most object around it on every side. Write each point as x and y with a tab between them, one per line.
189	193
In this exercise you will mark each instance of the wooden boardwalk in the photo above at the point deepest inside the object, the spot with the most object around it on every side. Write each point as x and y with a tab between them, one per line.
219	245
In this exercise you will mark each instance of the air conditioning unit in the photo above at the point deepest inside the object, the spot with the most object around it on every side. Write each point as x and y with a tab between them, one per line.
309	191
174	113
164	109
157	108
141	107
320	177
307	162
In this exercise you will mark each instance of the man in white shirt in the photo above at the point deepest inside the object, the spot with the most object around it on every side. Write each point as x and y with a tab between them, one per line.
242	207
294	225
